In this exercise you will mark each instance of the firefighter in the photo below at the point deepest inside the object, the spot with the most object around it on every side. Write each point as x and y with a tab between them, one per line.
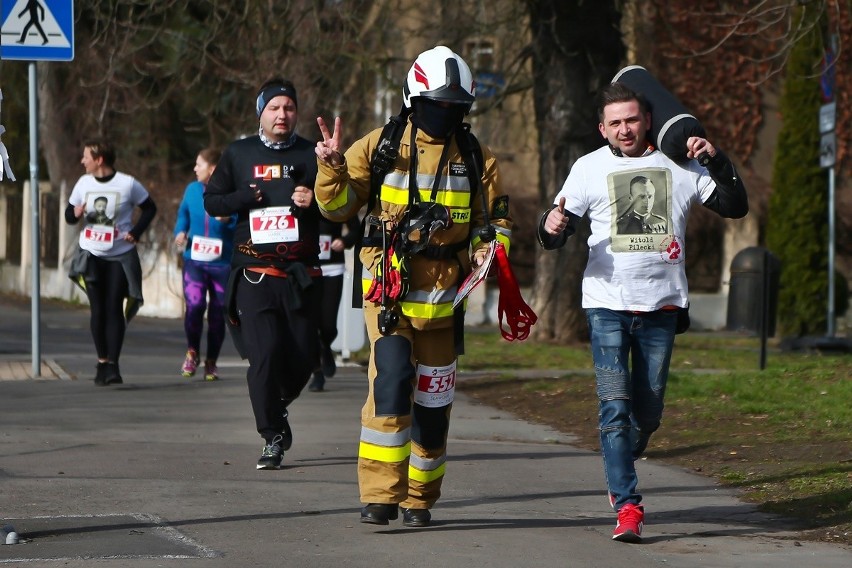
427	220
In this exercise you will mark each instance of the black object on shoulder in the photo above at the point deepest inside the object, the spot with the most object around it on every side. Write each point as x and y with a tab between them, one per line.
671	123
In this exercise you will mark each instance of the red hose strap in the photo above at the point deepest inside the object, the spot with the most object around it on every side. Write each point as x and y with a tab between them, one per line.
519	316
374	294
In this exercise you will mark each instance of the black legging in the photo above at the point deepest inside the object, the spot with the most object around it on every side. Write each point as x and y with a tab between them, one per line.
106	295
332	289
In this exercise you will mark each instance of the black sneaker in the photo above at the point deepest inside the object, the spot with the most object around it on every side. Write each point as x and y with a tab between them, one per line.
327	363
272	453
286	433
317	383
112	376
100	373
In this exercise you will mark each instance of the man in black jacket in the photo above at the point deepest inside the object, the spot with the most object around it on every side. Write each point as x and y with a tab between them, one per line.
268	180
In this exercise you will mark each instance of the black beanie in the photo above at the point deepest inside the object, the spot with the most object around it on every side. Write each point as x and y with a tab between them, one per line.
272	90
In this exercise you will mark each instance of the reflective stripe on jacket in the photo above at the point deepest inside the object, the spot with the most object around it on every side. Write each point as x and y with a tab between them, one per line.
342	191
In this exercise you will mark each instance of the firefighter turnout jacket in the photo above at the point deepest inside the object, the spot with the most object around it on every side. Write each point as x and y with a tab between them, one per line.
434	274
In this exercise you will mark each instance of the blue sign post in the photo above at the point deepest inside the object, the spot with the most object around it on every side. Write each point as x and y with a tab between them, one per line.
37	30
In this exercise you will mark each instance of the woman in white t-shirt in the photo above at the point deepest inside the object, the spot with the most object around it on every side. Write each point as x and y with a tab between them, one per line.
106	265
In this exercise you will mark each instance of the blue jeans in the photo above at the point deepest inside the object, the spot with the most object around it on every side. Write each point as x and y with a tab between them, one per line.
631	353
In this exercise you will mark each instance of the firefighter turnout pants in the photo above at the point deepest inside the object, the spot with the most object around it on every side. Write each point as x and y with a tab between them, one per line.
404	423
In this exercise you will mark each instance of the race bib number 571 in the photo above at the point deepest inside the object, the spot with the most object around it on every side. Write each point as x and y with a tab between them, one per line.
273	225
97	237
436	386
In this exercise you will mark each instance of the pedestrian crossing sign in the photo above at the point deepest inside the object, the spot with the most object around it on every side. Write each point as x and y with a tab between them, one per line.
37	30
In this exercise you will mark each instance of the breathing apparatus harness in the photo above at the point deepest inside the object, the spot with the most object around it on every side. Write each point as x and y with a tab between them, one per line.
411	234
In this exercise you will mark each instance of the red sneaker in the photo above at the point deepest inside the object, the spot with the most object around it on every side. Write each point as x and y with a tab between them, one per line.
630	520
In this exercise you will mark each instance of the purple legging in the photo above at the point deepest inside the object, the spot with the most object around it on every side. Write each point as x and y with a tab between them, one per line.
201	279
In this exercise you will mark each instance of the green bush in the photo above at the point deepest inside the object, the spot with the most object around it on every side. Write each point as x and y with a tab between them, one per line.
796	222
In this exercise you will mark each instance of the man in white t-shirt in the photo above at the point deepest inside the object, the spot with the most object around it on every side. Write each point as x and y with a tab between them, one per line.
634	285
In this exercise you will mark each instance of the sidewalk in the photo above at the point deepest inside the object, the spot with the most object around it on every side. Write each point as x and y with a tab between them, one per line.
161	471
21	368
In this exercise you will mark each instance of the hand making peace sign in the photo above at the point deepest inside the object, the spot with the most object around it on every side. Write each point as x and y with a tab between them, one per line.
328	149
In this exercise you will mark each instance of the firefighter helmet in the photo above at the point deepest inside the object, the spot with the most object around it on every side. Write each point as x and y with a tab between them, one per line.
440	75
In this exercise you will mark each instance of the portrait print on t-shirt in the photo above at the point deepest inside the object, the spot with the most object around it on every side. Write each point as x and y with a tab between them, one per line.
100	232
101	207
641	209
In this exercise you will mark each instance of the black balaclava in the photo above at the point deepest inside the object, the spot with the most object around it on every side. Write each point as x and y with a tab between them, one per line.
435	120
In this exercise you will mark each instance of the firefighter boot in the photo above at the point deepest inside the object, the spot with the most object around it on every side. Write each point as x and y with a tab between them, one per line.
379	513
416	517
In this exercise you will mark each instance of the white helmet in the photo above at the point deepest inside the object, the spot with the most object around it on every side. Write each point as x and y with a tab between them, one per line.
440	75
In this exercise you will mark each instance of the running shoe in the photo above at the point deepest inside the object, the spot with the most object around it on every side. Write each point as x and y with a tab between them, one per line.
190	364
272	454
211	371
317	383
631	517
327	362
112	375
100	373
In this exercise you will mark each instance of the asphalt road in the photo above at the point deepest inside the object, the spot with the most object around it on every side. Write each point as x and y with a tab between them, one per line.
161	471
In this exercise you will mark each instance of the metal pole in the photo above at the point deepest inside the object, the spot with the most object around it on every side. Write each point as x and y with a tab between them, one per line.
36	245
831	245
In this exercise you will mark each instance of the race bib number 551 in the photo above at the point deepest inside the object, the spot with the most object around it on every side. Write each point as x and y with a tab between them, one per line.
436	386
273	225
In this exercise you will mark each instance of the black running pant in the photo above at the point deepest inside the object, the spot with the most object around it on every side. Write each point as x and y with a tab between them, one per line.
280	344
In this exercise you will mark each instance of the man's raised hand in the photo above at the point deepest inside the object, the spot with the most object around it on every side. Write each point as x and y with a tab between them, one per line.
328	149
556	220
696	146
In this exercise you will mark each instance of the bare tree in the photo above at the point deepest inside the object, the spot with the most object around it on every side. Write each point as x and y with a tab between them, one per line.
576	47
164	79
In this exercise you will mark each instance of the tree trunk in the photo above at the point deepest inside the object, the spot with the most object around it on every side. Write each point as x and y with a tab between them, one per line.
59	142
576	48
